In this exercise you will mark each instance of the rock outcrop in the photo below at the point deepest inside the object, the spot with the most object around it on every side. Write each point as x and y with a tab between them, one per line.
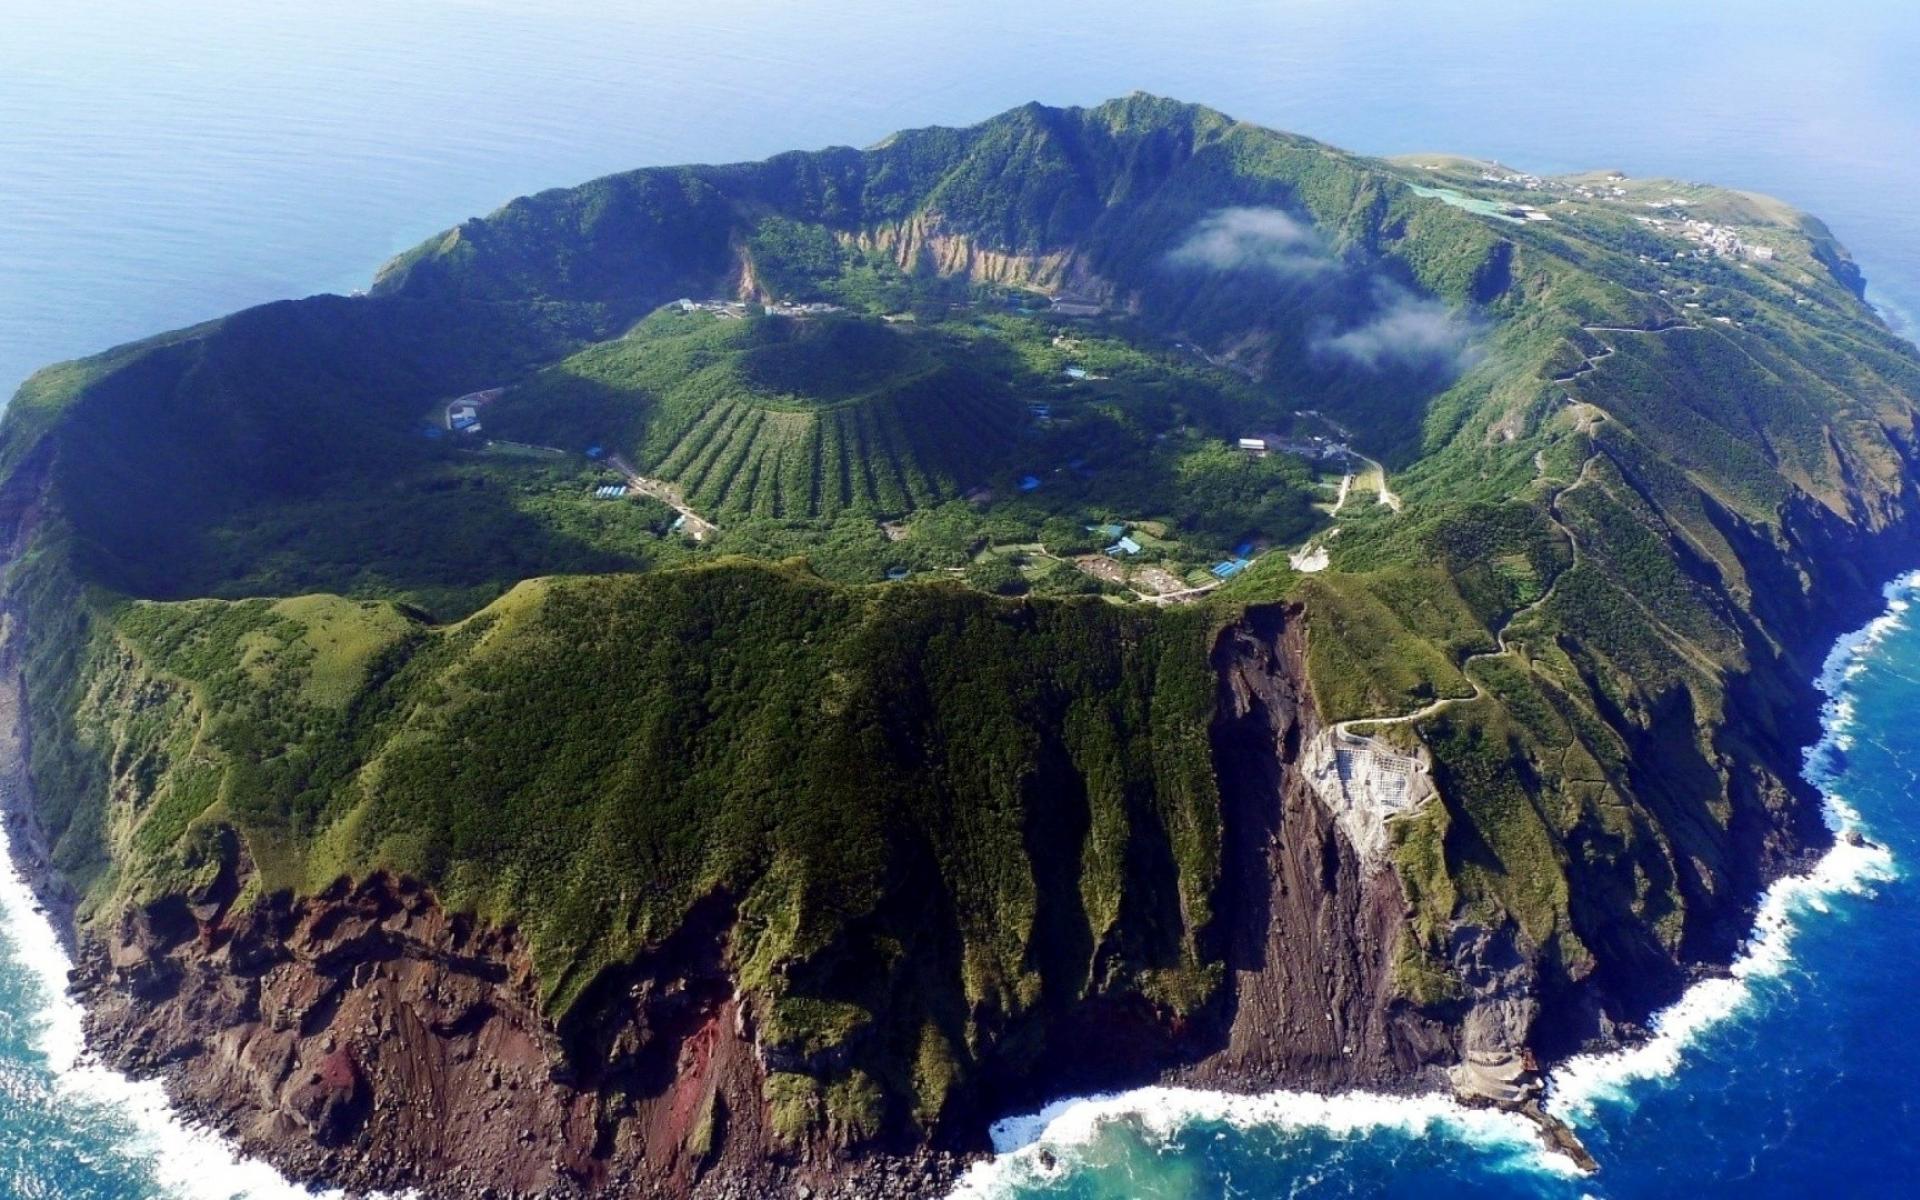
1311	932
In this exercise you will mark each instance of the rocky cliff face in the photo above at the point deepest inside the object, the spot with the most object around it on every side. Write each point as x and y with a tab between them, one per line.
1311	929
366	1036
924	243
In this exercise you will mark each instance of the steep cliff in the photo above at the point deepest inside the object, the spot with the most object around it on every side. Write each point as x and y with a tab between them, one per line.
398	790
363	1035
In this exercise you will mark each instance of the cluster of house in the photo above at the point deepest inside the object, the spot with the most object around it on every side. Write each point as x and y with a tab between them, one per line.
1712	239
1123	546
1724	242
812	308
1313	449
1613	190
1608	189
1532	183
734	310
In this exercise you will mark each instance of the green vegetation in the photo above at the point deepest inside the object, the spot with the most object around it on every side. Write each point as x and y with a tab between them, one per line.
269	614
854	766
770	417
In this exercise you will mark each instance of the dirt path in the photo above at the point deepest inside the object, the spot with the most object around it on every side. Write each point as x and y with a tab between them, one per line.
1678	644
696	525
1500	636
1182	596
1589	365
1340	500
1386	495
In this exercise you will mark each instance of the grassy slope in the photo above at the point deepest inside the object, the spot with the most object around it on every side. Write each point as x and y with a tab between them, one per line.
622	737
985	796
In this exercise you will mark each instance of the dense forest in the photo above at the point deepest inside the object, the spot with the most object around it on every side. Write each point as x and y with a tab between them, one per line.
900	708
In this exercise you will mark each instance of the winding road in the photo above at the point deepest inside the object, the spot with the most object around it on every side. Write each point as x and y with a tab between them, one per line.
1679	644
697	526
1347	727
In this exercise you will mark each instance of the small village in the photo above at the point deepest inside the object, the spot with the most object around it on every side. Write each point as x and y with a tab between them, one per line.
737	310
1140	560
1713	240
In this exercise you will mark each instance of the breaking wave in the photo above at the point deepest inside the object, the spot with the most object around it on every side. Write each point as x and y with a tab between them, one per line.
1854	866
1033	1150
1036	1148
185	1161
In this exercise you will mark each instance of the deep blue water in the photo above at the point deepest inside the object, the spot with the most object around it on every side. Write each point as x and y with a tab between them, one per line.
1794	1078
163	162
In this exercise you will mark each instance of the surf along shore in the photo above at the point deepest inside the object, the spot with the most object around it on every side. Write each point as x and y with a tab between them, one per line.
41	903
1038	1148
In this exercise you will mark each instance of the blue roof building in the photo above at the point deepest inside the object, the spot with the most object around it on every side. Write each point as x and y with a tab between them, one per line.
1125	545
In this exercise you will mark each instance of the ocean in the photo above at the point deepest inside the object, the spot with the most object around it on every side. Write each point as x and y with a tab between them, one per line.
1792	1076
161	163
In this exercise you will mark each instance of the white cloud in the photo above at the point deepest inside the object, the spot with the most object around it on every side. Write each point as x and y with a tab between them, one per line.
1262	238
1405	330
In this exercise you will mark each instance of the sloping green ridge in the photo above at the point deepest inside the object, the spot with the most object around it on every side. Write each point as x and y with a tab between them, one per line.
862	771
1654	512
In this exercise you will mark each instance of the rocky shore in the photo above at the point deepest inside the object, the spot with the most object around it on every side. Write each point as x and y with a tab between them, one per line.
366	1038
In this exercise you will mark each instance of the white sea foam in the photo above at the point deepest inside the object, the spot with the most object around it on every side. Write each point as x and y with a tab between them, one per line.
1035	1147
189	1162
1850	868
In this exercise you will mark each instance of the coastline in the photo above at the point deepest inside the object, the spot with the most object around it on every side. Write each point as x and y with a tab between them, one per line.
1851	865
187	1158
189	1153
1035	1148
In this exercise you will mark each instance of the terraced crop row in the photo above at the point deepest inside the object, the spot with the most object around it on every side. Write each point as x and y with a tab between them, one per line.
926	441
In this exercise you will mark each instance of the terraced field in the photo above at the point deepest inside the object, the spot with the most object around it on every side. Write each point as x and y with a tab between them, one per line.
916	443
766	418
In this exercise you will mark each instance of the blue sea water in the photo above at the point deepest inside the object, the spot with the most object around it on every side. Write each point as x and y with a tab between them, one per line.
163	162
1792	1077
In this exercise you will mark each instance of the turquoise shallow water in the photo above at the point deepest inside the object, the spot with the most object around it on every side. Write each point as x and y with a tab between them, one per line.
163	163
